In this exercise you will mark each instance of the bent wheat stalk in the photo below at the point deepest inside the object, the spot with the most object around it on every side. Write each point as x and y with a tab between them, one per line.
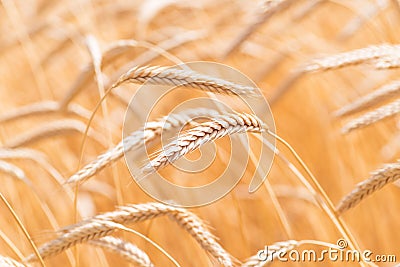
149	132
385	92
99	226
127	250
192	139
373	116
389	173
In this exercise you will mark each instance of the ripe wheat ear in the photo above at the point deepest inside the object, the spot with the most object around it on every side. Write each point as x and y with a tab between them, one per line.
176	77
104	224
389	173
192	139
149	132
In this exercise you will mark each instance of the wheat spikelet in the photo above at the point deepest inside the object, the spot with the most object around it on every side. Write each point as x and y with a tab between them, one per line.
104	224
269	8
271	254
373	116
127	250
380	94
359	56
8	262
176	77
150	131
205	132
389	62
378	179
51	129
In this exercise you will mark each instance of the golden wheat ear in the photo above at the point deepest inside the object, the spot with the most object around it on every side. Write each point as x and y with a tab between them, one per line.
372	117
150	131
381	94
389	173
104	225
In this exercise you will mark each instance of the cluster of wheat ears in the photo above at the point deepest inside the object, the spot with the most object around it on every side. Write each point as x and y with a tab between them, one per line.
308	57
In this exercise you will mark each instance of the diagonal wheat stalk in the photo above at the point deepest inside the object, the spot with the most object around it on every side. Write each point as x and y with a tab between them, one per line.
373	116
99	226
381	94
149	132
389	173
8	262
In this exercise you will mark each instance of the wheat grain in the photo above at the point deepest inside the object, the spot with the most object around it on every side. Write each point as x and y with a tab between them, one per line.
381	94
271	254
150	131
8	262
127	250
205	132
389	173
373	116
176	77
50	129
104	224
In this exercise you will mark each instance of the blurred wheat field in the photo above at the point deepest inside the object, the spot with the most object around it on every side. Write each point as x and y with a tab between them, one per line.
49	49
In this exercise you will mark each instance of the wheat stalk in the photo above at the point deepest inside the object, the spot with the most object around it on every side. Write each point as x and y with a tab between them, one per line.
268	9
373	116
127	250
50	129
8	262
149	132
103	225
384	92
176	77
192	139
389	173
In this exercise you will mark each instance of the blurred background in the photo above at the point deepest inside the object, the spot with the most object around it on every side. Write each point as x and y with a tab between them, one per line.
48	50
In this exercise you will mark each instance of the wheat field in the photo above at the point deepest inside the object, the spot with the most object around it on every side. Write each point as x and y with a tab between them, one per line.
328	68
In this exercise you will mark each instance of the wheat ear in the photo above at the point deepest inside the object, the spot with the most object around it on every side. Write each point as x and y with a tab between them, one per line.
102	225
51	129
381	94
8	262
373	116
150	131
177	77
192	139
389	173
127	250
359	56
44	107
